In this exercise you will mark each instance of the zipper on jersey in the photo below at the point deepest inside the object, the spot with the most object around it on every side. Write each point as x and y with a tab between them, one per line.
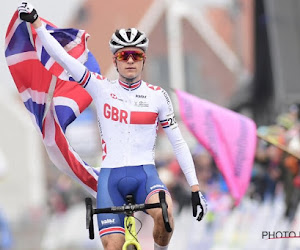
128	104
130	108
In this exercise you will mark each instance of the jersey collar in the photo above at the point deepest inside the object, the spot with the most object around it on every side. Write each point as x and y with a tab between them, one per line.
131	87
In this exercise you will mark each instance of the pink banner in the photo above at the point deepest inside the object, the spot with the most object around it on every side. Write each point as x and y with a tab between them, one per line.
229	137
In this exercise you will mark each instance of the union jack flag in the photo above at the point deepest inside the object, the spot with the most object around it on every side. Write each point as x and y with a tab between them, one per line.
49	94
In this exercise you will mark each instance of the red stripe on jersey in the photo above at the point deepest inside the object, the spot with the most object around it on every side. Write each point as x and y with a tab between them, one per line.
127	86
86	78
111	230
155	191
142	117
99	77
164	123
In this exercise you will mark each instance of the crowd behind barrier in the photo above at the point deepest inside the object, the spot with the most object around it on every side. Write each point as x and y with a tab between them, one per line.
277	161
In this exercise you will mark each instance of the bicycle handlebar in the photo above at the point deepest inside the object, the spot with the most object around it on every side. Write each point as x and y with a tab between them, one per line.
89	217
164	208
128	209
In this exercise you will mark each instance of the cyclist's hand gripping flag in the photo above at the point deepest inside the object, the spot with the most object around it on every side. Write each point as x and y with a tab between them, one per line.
53	101
27	12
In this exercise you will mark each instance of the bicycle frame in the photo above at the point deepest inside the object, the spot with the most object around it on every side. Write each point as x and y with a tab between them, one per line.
130	233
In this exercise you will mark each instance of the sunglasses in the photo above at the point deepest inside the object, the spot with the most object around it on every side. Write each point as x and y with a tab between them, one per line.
135	55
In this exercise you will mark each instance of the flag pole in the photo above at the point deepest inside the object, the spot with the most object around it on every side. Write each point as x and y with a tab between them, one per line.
278	145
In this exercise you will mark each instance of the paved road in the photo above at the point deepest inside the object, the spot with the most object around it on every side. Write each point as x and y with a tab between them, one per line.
240	229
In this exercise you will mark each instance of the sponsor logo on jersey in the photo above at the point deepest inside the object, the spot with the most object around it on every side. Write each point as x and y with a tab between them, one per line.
141	104
157	186
140	96
107	221
166	96
114	96
168	100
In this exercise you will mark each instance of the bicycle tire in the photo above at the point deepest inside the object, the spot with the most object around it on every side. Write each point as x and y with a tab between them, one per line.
131	247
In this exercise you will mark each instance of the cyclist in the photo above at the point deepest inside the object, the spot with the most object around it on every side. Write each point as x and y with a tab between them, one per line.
128	112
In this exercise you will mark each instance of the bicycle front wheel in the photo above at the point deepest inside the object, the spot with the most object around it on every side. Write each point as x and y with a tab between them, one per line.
131	247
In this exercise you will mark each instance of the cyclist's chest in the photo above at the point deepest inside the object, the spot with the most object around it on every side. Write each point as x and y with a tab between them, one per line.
127	107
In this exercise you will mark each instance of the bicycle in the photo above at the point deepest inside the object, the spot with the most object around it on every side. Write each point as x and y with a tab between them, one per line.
131	241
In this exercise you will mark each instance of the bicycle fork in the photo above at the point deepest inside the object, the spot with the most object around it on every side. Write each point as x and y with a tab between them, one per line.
130	234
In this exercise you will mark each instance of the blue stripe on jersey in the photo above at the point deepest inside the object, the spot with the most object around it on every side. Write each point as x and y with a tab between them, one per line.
88	80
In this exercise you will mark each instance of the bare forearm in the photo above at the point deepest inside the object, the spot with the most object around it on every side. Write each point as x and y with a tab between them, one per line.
195	188
37	23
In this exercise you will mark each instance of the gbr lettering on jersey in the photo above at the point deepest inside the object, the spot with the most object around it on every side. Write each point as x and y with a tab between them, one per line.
115	114
140	117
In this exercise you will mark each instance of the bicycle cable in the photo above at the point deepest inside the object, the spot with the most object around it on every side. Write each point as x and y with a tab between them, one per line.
128	227
141	224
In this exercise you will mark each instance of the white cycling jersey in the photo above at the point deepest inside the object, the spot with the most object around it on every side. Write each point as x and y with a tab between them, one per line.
128	116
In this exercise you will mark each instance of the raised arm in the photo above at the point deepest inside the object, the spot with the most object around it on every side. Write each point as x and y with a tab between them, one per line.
29	14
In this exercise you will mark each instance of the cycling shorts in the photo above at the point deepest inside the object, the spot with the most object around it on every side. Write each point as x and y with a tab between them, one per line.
113	186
